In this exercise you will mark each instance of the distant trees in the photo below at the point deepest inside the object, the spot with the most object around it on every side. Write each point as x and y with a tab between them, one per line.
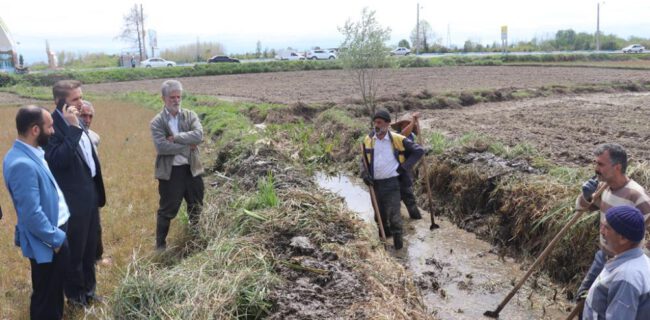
258	49
562	40
426	36
133	30
404	43
201	51
363	52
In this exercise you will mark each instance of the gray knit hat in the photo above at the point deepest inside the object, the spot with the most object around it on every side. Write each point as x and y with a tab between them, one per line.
626	221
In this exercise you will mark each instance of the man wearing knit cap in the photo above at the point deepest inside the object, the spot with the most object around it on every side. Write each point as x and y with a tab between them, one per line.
622	289
618	189
389	157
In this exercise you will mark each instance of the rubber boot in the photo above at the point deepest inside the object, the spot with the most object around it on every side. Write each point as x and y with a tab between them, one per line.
162	228
386	232
397	241
414	212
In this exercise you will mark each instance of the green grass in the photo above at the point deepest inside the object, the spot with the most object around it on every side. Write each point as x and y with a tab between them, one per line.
266	196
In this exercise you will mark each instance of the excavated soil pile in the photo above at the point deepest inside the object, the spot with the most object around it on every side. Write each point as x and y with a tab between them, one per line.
512	205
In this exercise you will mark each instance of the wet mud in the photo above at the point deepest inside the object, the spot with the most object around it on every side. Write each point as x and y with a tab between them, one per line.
459	276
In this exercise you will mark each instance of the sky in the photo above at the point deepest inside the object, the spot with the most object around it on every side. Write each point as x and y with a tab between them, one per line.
83	26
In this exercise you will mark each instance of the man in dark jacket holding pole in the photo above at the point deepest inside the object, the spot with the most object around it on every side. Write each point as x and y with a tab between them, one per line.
390	158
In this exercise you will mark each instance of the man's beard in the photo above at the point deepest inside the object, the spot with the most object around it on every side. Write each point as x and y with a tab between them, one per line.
42	139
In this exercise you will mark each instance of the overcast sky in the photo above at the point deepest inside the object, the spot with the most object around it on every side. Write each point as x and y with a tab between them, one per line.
90	26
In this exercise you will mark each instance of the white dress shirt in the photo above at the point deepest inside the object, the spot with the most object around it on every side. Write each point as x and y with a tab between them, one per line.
179	159
86	147
64	212
384	164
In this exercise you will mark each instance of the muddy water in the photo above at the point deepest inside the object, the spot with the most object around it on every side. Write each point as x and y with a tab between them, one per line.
459	276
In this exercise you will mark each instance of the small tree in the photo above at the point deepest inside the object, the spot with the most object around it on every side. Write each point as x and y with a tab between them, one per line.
133	30
363	52
258	49
404	43
426	36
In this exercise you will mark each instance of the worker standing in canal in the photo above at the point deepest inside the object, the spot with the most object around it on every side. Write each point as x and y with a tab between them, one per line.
389	158
408	126
610	166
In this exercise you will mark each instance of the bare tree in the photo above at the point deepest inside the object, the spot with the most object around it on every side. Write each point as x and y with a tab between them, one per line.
364	52
133	30
427	37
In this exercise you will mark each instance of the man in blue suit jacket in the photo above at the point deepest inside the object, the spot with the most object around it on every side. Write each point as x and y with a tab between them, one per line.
41	209
75	166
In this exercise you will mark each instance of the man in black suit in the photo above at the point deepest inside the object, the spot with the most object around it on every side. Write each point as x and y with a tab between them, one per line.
76	168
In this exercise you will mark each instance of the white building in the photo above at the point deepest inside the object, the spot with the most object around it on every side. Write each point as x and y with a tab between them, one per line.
8	54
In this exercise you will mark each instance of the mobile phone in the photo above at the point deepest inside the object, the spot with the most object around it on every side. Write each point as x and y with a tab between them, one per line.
60	104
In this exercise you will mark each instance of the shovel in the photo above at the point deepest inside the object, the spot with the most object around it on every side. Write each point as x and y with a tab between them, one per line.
542	256
434	225
373	197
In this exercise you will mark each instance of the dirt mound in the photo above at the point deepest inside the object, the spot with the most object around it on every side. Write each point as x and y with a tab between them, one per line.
512	205
318	284
250	165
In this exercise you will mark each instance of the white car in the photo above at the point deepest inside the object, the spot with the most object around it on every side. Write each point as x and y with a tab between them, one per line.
634	48
291	56
321	55
157	62
400	51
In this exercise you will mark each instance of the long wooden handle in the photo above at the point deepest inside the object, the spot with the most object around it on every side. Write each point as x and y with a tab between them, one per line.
426	177
541	257
373	196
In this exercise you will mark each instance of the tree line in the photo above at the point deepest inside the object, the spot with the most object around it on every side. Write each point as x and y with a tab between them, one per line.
564	40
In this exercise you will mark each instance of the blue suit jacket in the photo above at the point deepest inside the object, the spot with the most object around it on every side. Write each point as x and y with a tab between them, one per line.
32	189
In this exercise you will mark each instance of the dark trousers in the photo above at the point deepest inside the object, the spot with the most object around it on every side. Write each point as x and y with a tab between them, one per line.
181	185
47	286
406	193
83	234
388	200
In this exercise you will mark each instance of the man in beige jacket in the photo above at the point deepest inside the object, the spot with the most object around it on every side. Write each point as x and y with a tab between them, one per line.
176	134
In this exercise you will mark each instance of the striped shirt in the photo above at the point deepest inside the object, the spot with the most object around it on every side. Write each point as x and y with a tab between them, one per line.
631	194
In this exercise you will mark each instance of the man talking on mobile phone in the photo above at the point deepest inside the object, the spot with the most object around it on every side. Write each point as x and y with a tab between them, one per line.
76	168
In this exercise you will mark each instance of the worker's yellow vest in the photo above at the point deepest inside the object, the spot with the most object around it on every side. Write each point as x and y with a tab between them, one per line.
398	147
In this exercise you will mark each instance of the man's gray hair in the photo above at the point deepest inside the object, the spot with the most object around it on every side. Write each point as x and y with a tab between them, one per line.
86	103
616	152
170	86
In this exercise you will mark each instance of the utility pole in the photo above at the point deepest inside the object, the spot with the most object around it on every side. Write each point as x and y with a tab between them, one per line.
417	32
144	47
598	26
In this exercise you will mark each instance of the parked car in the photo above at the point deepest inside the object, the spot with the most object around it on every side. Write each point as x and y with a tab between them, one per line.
634	48
321	55
222	59
157	62
400	51
288	55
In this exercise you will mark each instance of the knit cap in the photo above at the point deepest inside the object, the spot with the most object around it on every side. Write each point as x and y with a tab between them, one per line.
382	114
626	221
